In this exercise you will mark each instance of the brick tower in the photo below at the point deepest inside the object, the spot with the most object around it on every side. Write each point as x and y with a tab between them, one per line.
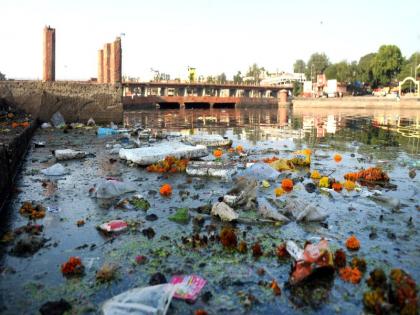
116	61
48	72
100	66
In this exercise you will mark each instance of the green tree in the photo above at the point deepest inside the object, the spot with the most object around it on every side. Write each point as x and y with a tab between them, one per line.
317	64
210	79
387	64
237	78
299	66
221	79
408	68
364	68
297	88
255	72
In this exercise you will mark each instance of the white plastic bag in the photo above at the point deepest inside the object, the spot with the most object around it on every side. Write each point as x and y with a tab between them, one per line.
225	212
154	300
55	170
57	120
303	211
261	171
112	188
269	212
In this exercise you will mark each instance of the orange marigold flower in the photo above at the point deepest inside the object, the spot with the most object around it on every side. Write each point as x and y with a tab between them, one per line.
337	158
72	267
337	187
239	149
350	274
217	153
166	190
307	151
352	243
351	176
315	175
287	184
276	289
270	159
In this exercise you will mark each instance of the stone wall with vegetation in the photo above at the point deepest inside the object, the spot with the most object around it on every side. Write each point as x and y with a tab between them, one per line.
77	101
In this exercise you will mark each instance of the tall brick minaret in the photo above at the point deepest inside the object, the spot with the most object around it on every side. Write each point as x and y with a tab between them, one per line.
116	61
48	71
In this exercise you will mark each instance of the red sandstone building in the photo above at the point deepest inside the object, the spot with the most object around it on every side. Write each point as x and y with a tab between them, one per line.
48	73
110	63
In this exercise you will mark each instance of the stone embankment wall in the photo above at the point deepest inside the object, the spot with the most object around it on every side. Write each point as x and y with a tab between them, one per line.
12	150
76	101
358	102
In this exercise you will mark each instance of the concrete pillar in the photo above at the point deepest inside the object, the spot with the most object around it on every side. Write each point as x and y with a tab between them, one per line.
107	63
115	61
203	92
48	64
100	66
283	96
185	92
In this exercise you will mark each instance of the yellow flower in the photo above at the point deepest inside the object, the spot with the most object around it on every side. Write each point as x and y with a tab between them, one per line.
323	182
278	191
265	184
315	175
349	185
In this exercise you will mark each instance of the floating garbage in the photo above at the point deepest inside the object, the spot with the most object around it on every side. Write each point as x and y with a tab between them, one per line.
90	122
55	307
312	258
260	171
46	125
57	120
112	188
102	131
68	154
55	170
153	300
188	287
181	216
243	194
211	168
208	140
224	212
300	210
114	226
269	212
153	154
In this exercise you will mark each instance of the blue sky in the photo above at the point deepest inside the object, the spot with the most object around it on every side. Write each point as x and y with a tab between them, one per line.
213	36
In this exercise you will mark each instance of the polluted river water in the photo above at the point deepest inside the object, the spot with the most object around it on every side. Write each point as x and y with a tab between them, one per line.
340	141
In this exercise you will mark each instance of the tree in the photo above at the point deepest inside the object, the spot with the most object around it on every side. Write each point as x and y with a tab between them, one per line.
297	88
2	77
255	72
317	64
299	66
237	78
387	64
210	79
364	68
221	79
408	68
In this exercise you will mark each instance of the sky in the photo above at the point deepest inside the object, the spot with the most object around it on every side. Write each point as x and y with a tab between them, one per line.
214	36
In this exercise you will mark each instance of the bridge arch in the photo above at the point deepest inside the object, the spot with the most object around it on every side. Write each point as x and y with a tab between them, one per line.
416	83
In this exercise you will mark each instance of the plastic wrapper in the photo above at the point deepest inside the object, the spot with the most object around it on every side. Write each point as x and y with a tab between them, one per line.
224	212
154	300
55	170
188	287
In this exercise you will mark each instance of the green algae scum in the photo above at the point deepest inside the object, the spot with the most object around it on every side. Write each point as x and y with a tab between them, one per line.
155	235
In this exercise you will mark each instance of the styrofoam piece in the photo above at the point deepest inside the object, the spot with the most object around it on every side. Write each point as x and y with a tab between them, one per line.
208	140
158	152
68	154
211	168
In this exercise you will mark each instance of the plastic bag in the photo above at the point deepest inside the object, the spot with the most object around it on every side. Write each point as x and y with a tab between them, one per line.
68	154
55	170
57	120
113	188
225	212
243	195
303	211
154	300
261	171
269	212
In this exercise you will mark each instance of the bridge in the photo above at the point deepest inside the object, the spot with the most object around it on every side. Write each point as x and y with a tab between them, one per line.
137	95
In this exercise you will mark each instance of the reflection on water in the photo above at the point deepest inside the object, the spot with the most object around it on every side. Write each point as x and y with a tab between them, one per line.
391	127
